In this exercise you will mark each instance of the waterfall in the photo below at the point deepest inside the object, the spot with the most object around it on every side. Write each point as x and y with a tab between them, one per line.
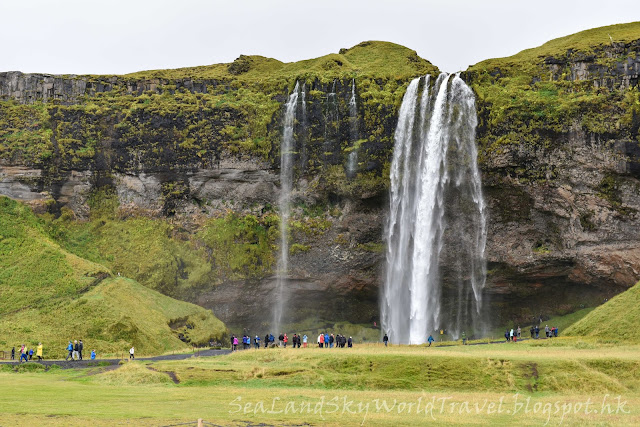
304	155
352	162
287	148
435	202
331	122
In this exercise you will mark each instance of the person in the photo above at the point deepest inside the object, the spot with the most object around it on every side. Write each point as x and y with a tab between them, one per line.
332	339
80	348
23	353
232	337
75	350
430	340
321	340
235	343
280	339
519	332
256	342
93	355
511	335
13	353
266	341
70	350
326	339
385	339
537	331
546	331
555	332
464	338
285	340
39	351
30	354
350	342
272	340
532	330
304	340
131	353
506	335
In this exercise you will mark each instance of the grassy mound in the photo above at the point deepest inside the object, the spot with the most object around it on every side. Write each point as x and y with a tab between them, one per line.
615	320
51	296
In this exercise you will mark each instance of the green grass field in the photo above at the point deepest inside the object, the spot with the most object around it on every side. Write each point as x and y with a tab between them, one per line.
564	380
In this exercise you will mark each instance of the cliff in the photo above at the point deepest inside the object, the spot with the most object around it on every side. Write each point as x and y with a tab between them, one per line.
171	176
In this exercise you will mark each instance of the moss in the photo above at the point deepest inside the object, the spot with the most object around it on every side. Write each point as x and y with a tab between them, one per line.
297	248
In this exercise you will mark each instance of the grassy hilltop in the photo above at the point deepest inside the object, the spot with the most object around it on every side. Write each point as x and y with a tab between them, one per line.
50	295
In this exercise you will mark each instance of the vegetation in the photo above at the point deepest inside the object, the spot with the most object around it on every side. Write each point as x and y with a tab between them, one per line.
531	99
615	321
559	370
51	296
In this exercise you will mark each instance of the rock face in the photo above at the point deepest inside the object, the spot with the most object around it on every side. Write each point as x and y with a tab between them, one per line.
564	216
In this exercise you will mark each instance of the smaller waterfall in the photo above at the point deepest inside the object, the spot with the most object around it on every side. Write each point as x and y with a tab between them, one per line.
304	155
331	123
352	162
284	205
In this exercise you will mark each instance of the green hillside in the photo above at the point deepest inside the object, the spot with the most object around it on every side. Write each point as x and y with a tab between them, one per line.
532	98
615	320
50	295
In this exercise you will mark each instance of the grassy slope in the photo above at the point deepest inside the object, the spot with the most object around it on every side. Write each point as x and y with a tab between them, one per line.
615	320
52	296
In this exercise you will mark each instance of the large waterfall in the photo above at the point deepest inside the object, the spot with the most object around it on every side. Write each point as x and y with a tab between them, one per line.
436	230
287	148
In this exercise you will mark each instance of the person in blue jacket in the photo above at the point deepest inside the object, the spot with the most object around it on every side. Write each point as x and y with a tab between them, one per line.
93	355
70	350
430	340
326	340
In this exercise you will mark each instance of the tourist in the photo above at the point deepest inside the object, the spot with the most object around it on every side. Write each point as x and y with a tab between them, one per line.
23	353
39	351
266	341
546	331
70	350
30	354
519	332
131	353
321	340
464	338
506	335
555	332
429	340
326	340
256	342
272	340
13	353
80	348
235	343
285	340
511	335
332	339
280	339
93	355
385	340
304	340
350	343
75	350
537	331
532	330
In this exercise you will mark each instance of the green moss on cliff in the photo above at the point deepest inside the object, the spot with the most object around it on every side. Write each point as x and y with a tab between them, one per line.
532	100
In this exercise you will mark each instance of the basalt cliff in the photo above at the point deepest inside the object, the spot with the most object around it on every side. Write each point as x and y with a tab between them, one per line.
172	177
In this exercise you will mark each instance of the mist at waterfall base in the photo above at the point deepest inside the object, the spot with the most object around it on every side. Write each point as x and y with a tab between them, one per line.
436	228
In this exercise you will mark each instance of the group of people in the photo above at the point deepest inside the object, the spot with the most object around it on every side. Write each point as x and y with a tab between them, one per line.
328	340
297	341
75	349
27	354
516	334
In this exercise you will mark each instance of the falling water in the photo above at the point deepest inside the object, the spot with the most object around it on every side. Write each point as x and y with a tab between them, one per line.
331	122
435	202
284	203
352	162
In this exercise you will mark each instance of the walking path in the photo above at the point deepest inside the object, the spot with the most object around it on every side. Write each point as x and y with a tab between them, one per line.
88	363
